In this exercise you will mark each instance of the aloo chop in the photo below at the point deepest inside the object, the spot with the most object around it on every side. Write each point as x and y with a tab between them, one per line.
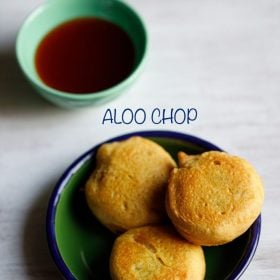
128	185
213	198
156	253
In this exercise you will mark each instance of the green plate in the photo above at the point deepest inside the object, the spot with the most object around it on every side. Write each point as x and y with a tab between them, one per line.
81	246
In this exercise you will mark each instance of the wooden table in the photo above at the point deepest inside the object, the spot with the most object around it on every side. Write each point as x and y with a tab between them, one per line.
220	57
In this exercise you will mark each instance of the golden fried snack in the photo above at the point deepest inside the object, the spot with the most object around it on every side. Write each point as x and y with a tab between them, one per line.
128	185
155	253
214	197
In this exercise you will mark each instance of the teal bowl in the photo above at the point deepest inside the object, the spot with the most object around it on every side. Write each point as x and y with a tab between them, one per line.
81	246
53	13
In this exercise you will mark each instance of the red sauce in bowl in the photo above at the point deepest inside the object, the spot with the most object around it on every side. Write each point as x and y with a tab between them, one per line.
85	55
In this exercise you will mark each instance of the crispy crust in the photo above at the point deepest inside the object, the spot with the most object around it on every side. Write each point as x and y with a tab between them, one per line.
128	185
156	253
213	198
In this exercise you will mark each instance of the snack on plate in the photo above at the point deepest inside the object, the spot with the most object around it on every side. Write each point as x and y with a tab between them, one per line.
214	197
128	185
156	253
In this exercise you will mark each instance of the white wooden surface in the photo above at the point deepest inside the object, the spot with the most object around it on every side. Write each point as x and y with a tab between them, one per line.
221	57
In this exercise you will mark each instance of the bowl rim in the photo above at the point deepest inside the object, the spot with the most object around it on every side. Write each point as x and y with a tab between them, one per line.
251	246
91	95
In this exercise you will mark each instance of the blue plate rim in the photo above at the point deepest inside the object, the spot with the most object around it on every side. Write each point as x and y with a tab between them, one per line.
55	196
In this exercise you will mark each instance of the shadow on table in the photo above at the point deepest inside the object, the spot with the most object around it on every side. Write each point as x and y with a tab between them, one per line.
38	262
16	94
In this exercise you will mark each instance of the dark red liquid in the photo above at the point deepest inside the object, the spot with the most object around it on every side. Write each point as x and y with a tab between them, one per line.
85	55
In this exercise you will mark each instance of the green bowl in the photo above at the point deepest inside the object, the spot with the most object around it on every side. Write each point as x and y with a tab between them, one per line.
81	246
55	12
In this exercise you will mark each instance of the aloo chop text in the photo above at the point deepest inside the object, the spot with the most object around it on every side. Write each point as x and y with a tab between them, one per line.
157	116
